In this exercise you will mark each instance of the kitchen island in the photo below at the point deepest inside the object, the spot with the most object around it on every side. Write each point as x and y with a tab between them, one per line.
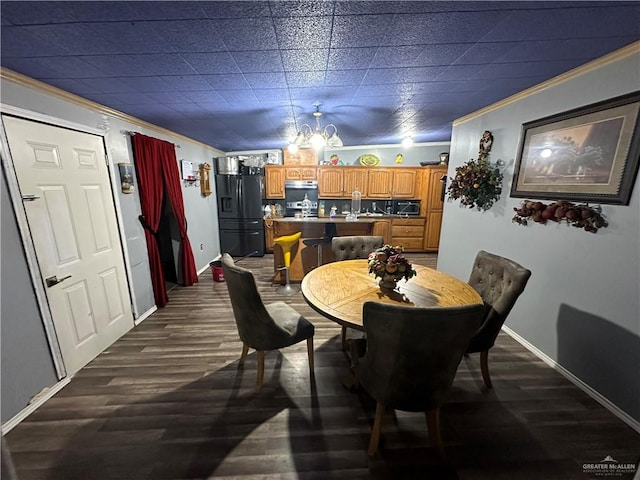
304	258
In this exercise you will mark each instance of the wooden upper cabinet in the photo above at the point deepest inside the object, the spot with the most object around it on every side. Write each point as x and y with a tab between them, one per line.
330	182
434	200
274	181
339	182
356	178
380	183
404	183
301	173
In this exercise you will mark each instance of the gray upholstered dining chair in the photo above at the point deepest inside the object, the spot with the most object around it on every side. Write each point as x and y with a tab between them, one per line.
412	355
352	248
499	281
263	327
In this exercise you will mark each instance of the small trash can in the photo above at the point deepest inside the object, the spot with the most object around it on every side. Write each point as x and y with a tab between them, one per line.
216	269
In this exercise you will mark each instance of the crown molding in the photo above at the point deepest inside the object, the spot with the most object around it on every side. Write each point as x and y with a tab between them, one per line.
629	50
43	87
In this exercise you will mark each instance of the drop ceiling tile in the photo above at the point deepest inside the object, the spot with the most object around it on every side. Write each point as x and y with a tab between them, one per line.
98	11
185	83
305	79
361	31
397	56
235	10
303	33
211	62
367	7
203	96
66	67
189	36
147	84
351	58
301	9
227	82
305	60
24	43
266	80
271	94
247	34
260	61
344	77
29	13
168	97
108	85
400	75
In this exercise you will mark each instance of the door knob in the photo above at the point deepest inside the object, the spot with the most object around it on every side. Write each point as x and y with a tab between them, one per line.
51	281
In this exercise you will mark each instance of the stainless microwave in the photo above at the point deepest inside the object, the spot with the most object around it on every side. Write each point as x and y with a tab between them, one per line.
406	207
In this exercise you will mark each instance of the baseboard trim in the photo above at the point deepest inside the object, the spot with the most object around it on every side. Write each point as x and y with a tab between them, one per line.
145	315
36	403
598	397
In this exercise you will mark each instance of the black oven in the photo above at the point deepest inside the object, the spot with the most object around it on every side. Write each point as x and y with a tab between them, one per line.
406	207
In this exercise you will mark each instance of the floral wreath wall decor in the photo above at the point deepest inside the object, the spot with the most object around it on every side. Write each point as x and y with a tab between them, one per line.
477	183
581	216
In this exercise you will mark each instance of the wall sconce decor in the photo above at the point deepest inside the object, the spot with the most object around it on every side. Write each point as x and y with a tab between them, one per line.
126	177
205	179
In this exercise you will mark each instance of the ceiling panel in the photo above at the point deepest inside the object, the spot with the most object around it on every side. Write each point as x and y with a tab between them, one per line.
245	75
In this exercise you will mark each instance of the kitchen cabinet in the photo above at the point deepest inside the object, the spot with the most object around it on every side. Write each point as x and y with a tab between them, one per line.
434	208
382	228
398	182
274	181
269	244
301	173
339	182
403	184
408	232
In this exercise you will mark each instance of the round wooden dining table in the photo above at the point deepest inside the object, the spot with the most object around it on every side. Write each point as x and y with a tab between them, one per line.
338	291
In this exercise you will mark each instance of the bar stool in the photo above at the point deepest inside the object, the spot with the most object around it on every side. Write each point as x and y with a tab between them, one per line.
286	242
330	231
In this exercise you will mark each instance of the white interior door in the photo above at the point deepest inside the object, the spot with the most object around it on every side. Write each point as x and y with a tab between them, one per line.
65	187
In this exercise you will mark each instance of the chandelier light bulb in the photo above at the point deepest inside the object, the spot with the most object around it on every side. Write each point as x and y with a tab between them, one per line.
407	142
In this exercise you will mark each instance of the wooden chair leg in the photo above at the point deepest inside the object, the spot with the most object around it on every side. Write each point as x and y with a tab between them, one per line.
245	351
343	338
433	424
310	353
375	431
484	367
260	368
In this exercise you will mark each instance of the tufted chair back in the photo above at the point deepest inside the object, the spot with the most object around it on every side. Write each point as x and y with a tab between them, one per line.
351	248
412	356
499	281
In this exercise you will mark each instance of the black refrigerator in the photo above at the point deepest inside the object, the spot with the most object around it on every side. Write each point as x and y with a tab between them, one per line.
240	213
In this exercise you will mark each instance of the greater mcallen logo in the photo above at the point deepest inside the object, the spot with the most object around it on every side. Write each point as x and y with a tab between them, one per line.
608	466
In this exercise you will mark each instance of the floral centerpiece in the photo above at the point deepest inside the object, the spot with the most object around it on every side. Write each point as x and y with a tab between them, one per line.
390	264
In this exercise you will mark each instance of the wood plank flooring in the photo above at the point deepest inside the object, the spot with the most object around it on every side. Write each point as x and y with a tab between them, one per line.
168	401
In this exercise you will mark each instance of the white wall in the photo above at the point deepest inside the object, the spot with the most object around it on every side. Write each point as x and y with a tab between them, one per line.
581	306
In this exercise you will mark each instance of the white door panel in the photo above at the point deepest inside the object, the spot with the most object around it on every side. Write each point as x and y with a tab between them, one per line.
75	235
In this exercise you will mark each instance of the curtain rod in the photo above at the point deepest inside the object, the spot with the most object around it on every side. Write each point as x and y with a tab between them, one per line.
130	132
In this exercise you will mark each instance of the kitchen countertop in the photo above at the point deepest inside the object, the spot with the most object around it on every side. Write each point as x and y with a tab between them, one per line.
341	219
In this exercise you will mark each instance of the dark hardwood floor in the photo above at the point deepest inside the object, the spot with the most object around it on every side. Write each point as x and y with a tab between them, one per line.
168	401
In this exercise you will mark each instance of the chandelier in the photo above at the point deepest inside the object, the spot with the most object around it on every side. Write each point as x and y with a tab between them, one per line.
318	138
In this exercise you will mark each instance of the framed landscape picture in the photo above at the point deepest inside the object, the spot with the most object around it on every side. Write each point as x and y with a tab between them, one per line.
588	154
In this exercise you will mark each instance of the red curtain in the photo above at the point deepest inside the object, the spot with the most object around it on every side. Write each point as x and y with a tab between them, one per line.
148	153
158	172
174	190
